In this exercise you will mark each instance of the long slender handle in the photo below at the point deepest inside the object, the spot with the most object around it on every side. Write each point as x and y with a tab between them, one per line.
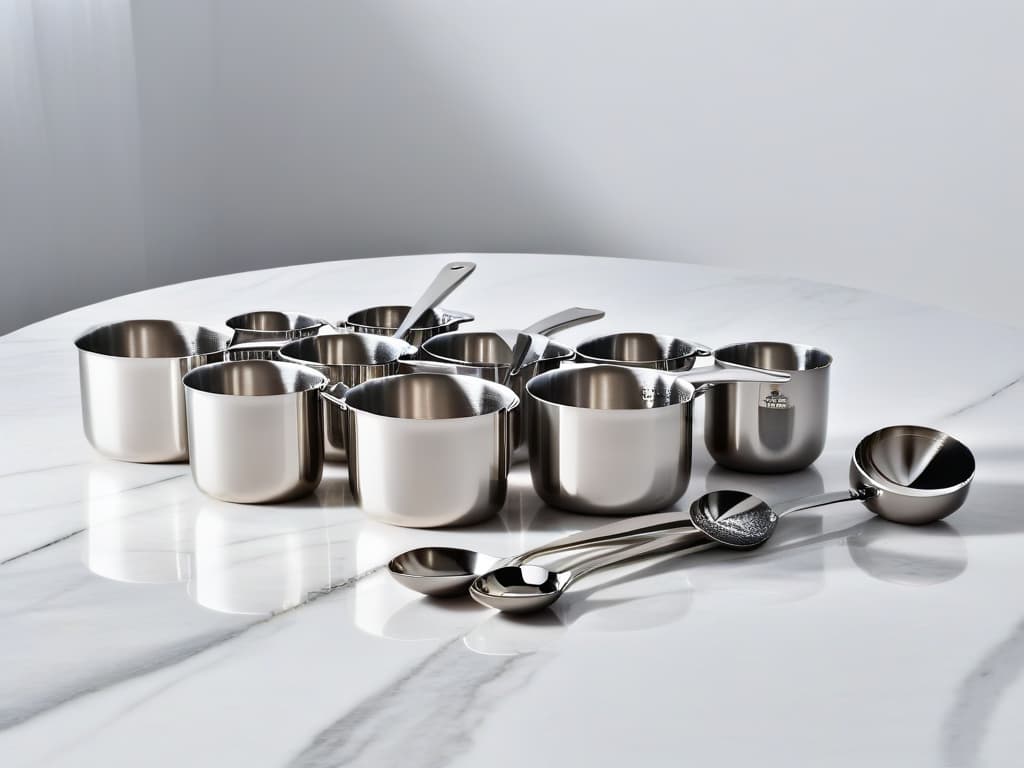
821	500
567	318
447	280
685	544
520	355
719	374
436	366
611	532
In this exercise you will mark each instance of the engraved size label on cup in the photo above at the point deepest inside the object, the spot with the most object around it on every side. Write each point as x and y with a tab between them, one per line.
773	398
647	394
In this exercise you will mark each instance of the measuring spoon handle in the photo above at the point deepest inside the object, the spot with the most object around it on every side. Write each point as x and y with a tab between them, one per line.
684	544
603	534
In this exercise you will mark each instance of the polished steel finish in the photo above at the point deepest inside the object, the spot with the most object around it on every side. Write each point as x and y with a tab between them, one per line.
906	474
615	440
423	320
918	474
447	280
560	321
643	350
448	572
254	430
348	358
489	355
133	404
768	427
529	588
428	449
736	519
272	326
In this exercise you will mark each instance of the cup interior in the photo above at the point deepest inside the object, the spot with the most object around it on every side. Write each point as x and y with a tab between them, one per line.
476	348
918	458
774	355
610	387
152	339
389	318
635	348
430	396
346	349
272	321
253	378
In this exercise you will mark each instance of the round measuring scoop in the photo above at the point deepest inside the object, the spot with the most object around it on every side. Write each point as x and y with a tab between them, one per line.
448	571
906	474
912	475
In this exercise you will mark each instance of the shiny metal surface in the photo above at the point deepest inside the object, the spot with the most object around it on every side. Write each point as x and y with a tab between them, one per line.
643	350
428	449
384	321
133	404
489	355
530	588
448	572
769	427
447	280
918	474
271	326
255	431
424	319
615	440
348	358
736	519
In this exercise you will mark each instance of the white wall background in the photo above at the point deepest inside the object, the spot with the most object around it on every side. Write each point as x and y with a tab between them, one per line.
875	143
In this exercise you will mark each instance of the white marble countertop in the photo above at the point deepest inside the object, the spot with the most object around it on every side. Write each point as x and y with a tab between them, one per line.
144	624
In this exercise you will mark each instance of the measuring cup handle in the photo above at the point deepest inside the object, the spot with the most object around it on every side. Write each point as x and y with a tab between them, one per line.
702	378
567	318
447	280
335	394
822	500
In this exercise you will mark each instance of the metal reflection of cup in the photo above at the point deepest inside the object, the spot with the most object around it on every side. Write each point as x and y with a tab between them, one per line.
138	534
250	560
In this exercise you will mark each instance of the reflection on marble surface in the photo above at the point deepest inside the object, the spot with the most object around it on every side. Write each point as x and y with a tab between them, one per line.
137	612
143	537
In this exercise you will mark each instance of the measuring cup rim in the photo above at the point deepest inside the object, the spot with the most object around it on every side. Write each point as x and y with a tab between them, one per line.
235	321
885	484
829	358
685	388
318	381
693	349
448	316
223	340
509	399
563	351
401	349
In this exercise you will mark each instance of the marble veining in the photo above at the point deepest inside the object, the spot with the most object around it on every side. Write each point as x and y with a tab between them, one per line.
142	623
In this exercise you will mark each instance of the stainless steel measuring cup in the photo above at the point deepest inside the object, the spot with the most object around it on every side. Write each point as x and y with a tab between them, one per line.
254	429
348	358
643	350
769	427
427	449
424	319
616	440
268	326
489	354
133	404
